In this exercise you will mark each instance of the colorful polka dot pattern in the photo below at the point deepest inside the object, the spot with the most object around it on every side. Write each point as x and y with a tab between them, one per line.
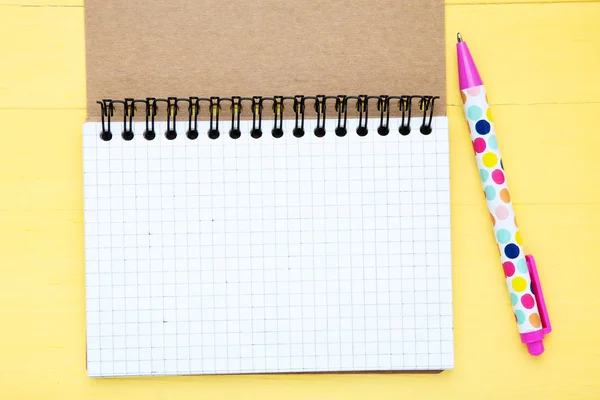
506	231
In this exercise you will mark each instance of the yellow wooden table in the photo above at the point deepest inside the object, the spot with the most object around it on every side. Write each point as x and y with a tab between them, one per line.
541	64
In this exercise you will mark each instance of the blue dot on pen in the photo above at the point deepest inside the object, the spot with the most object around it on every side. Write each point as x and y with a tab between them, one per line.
511	251
482	127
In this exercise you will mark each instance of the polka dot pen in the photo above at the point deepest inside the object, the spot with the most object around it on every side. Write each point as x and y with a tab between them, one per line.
519	269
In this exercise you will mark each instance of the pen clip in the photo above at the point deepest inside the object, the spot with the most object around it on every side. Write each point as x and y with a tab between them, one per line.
539	295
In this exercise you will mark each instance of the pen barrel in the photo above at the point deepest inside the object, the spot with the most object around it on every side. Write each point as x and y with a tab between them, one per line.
500	206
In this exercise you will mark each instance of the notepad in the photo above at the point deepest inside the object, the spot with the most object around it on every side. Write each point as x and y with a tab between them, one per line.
262	233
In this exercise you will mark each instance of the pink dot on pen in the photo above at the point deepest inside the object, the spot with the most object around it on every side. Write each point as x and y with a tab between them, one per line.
501	212
479	145
474	91
527	301
498	176
509	269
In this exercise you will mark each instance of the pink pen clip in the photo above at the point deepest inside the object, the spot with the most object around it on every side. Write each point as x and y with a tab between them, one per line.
534	340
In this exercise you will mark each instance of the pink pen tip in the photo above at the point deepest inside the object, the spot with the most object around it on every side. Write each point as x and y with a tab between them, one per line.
468	76
535	348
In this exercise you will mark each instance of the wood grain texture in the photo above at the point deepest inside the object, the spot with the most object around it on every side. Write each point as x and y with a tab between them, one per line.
538	143
42	3
43	57
529	53
545	113
482	2
80	3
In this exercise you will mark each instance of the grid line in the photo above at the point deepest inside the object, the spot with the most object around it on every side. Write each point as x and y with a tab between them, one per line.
267	255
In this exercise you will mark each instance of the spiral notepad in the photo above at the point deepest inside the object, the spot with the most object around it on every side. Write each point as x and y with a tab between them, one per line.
237	220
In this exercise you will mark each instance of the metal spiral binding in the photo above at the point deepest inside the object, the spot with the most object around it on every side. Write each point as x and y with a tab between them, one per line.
277	105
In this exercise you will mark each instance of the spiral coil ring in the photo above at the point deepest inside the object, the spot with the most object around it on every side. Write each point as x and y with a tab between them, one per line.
215	106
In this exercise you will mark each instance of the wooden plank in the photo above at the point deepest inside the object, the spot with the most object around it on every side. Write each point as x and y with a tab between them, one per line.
42	3
534	61
41	161
44	57
549	151
529	53
493	2
80	3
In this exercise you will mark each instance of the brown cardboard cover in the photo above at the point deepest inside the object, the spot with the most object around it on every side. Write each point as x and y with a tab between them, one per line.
182	48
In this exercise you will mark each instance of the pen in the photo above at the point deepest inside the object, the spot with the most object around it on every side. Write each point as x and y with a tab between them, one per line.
520	271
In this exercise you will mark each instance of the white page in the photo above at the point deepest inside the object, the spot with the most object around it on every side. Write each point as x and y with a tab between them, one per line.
268	255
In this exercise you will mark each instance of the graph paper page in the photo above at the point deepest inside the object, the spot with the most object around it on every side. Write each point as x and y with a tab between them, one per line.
223	256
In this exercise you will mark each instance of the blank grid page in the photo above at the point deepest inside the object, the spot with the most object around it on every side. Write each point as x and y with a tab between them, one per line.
267	255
